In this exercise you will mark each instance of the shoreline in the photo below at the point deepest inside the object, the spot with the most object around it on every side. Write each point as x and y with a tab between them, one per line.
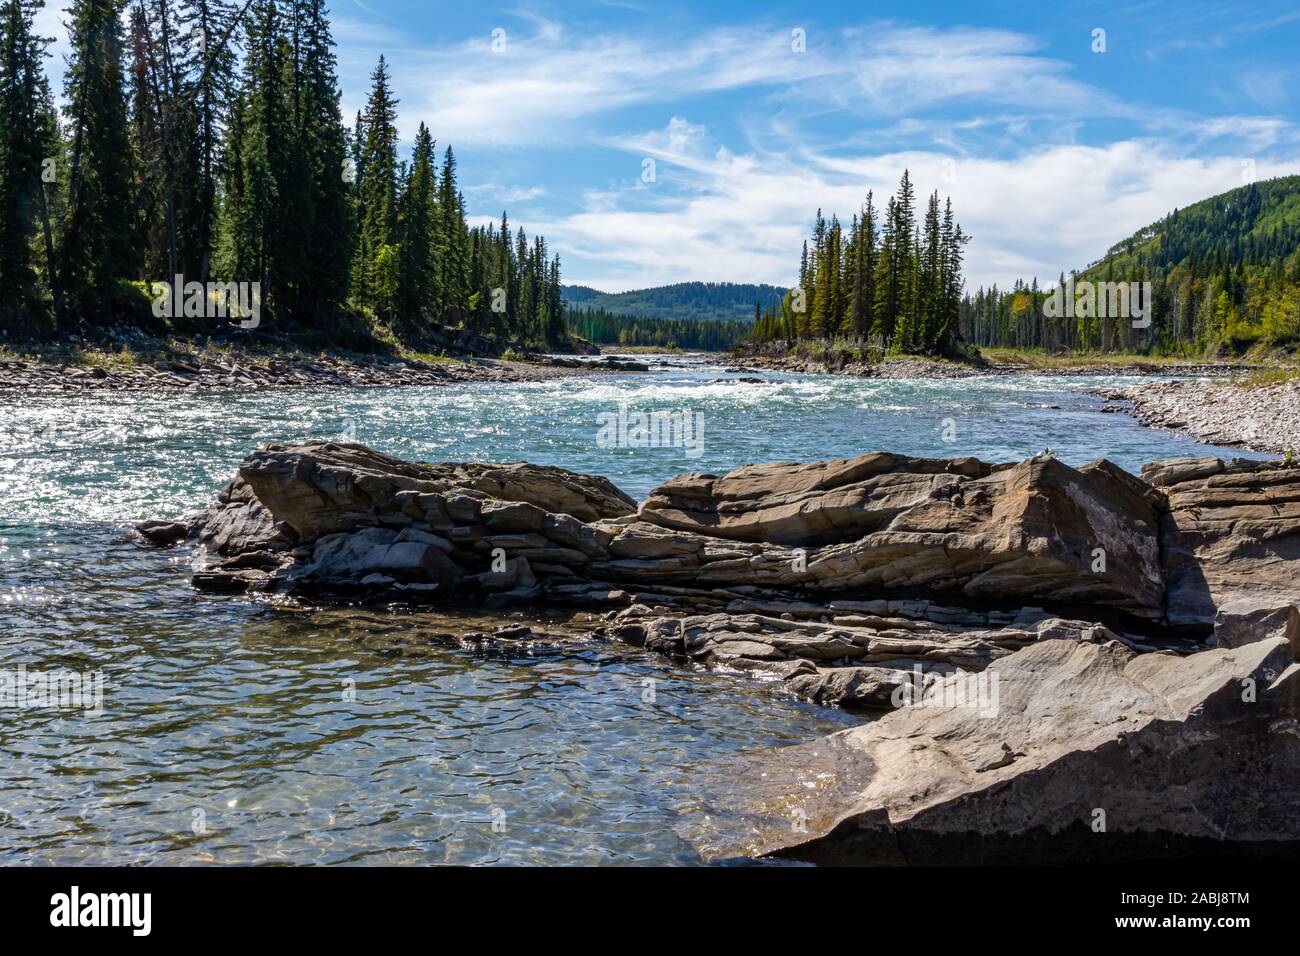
930	368
1264	419
178	369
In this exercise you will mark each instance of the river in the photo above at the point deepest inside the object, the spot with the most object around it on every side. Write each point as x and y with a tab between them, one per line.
236	732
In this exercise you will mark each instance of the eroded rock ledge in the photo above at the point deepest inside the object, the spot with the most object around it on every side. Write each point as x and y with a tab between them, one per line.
841	577
1120	621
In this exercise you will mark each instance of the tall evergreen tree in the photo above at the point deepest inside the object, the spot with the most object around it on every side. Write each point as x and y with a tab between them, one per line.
418	280
453	240
253	200
864	270
97	248
209	68
325	283
24	145
376	251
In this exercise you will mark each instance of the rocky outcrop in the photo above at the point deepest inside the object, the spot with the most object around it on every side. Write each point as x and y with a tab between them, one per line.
1036	530
1065	751
1033	531
1231	546
830	576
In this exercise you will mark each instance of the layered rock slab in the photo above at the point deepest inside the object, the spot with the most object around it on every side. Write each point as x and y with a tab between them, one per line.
1033	531
1091	752
1037	530
1230	537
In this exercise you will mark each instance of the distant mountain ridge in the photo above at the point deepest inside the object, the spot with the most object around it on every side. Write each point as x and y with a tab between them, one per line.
697	301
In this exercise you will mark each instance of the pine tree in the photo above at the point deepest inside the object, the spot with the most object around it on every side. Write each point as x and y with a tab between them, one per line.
24	145
97	248
949	319
146	145
929	282
889	276
209	68
253	200
417	290
864	269
556	333
503	279
378	212
326	279
453	240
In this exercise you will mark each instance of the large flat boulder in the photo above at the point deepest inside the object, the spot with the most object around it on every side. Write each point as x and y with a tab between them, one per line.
1072	751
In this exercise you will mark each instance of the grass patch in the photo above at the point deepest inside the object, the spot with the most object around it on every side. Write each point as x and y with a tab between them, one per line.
1268	377
428	358
1043	360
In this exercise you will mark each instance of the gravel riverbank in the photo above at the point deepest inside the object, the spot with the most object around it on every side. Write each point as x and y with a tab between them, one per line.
911	367
1258	418
254	370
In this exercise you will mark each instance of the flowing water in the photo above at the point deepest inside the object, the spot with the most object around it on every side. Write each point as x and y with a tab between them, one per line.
232	731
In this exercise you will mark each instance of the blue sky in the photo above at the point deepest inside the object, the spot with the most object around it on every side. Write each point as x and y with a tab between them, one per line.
1051	151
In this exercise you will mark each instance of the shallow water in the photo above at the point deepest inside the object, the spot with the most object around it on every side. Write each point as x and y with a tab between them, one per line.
236	732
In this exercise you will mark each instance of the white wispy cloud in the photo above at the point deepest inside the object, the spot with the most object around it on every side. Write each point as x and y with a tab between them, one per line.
745	216
541	83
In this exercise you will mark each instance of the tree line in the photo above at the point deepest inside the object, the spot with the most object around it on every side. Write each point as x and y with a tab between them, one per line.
610	328
887	278
204	139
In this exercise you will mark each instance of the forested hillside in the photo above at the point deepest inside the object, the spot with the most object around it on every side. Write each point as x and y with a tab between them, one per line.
608	328
1224	272
579	293
202	139
697	301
